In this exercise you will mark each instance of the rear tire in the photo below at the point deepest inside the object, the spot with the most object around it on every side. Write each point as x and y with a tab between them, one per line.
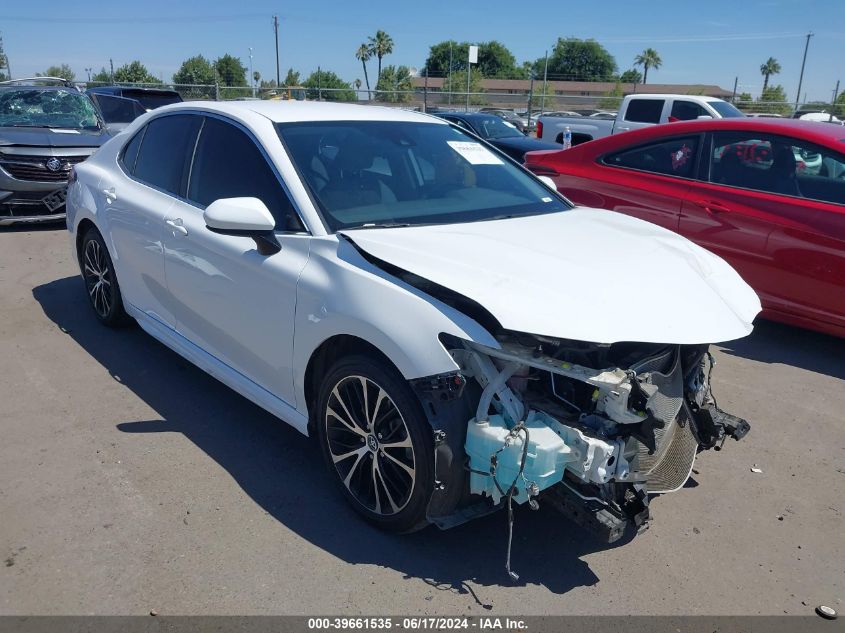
376	442
101	281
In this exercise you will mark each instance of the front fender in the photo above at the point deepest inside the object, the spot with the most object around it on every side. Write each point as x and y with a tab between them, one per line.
341	293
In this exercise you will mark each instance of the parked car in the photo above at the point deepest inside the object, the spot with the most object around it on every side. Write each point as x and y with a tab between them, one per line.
499	133
767	195
456	336
120	105
149	98
510	116
636	111
820	116
46	127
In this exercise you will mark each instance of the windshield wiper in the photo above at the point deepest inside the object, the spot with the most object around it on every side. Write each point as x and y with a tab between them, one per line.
379	225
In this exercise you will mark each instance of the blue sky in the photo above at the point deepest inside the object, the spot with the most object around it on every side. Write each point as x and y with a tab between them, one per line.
701	42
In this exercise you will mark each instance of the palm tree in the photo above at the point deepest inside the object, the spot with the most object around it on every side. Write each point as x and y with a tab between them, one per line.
770	67
363	53
649	58
381	44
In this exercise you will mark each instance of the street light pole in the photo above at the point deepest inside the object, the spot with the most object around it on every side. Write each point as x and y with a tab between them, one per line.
545	81
88	70
251	74
801	76
276	29
451	88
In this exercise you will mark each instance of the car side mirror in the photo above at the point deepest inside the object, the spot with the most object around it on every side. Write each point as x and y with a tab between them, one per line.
244	217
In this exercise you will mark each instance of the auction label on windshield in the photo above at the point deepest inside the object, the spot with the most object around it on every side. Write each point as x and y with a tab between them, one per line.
475	153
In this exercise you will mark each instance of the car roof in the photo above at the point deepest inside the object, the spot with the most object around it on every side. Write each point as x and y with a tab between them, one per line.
296	111
40	88
113	90
824	133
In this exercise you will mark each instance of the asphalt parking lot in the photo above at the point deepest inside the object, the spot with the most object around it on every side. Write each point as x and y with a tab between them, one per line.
131	481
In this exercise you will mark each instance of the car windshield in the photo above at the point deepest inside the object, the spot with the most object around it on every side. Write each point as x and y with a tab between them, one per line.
377	173
725	109
494	127
31	107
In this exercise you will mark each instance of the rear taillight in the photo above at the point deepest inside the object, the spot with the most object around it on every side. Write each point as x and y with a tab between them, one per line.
539	129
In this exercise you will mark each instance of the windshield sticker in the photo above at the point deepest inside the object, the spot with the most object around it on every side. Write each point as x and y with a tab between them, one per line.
474	153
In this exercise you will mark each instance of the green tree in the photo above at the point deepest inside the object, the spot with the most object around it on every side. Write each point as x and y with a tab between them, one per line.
195	70
773	100
395	85
839	108
632	76
649	58
494	60
4	63
64	71
767	69
230	71
457	82
363	55
101	77
292	78
320	81
381	45
578	60
134	72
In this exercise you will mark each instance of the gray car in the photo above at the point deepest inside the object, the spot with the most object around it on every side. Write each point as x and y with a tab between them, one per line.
44	131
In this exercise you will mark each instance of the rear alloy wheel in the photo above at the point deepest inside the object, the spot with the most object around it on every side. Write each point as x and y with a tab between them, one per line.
100	280
377	442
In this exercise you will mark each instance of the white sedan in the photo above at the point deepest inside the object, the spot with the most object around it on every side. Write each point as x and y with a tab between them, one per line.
456	335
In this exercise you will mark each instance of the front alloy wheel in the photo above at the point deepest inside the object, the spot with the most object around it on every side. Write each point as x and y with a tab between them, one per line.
377	441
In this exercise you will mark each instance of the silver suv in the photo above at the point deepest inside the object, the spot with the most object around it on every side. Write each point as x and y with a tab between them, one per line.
46	127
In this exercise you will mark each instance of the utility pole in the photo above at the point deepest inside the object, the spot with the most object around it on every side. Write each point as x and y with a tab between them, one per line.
833	101
801	77
111	65
276	29
545	78
319	84
88	70
251	74
733	96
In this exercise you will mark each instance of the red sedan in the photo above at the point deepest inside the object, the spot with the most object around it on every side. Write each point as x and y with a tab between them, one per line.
766	195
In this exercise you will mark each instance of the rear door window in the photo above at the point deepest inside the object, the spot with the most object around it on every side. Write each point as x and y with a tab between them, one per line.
687	111
779	165
644	110
228	164
166	151
673	157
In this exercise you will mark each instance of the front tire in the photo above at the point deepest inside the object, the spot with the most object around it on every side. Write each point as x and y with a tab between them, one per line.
101	281
376	442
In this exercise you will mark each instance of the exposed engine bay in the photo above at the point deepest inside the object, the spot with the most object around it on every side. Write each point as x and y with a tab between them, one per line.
593	429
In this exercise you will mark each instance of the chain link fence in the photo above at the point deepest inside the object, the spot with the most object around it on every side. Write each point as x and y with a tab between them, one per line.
429	99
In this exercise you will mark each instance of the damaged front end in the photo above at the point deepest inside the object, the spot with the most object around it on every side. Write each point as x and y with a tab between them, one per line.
593	429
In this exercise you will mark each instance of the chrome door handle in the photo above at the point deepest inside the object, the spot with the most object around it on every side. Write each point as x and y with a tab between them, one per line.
109	193
176	225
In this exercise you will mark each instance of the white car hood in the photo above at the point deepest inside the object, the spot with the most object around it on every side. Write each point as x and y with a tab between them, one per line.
584	274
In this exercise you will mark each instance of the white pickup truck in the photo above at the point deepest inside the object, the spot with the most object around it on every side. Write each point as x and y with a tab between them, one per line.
636	111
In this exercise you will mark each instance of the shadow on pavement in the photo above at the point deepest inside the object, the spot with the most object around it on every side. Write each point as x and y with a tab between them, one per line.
772	342
283	471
